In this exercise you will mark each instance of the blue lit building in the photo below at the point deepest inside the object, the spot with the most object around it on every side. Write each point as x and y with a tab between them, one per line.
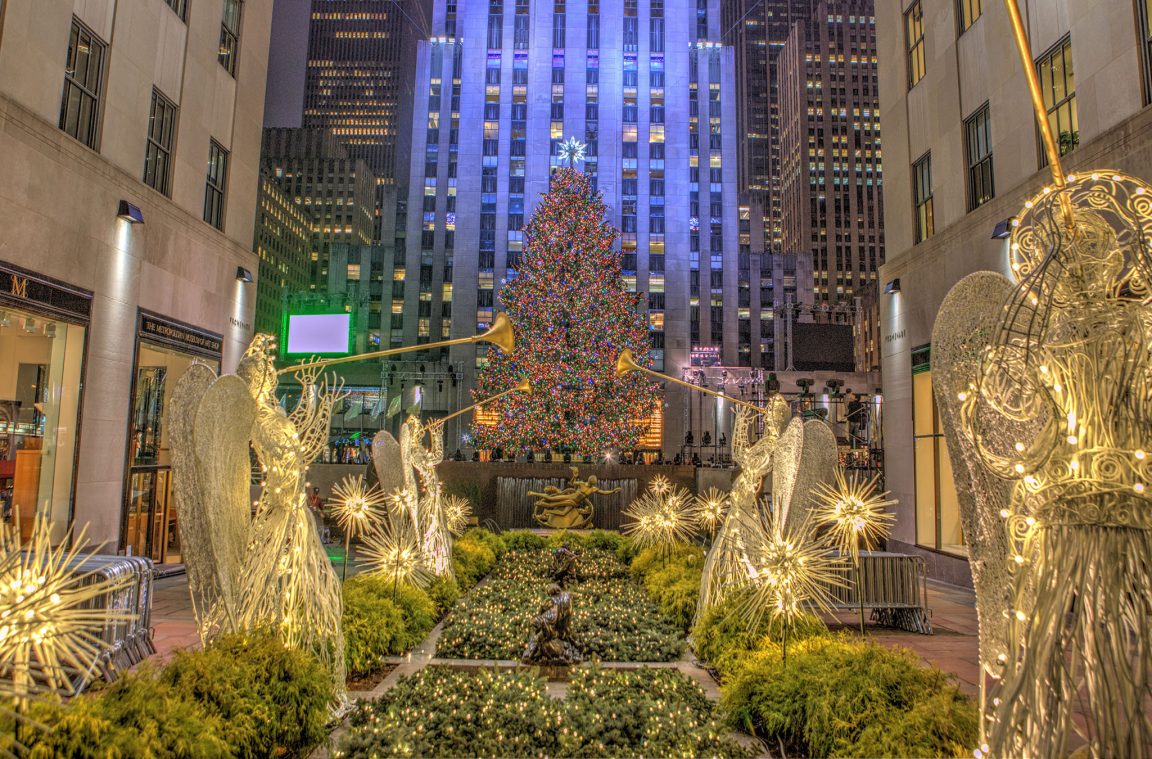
649	89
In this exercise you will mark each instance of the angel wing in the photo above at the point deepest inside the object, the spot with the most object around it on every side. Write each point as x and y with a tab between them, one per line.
387	462
969	320
222	430
806	457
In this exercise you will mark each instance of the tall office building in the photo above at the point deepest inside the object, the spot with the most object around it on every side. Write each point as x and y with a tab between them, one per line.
336	194
830	176
359	86
757	31
647	86
283	243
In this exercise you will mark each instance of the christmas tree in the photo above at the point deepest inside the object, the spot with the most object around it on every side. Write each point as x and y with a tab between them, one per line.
572	317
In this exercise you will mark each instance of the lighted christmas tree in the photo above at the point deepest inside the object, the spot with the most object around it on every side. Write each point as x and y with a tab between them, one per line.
572	317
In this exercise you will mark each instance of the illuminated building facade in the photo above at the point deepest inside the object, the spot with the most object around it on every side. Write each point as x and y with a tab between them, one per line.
283	244
830	165
359	84
648	87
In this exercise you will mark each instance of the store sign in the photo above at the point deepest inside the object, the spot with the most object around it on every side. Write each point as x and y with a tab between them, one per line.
705	355
24	288
179	336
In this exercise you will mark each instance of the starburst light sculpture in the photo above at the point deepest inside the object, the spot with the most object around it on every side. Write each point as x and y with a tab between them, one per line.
790	573
457	509
394	552
49	633
357	509
710	508
661	518
854	513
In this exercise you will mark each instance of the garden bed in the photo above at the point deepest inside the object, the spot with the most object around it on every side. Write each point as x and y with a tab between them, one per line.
613	618
445	712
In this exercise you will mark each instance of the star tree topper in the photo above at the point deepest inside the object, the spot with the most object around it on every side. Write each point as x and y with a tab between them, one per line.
572	150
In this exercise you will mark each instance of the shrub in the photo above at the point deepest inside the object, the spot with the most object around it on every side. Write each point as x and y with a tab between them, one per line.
471	561
138	715
443	591
655	558
378	623
603	540
722	635
628	550
523	540
677	589
840	697
469	490
270	698
494	542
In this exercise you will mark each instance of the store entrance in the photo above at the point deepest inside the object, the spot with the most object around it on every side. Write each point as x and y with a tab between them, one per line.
151	526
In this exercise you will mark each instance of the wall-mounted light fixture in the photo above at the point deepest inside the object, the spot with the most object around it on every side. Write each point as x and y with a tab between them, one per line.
1003	229
130	213
243	275
892	287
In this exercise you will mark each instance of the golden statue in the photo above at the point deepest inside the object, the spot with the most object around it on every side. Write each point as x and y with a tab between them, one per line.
570	508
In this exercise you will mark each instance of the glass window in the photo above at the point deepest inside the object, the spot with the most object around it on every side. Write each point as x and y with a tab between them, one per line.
968	11
230	35
922	197
937	509
1058	86
41	361
180	7
83	85
914	42
216	185
158	149
978	149
1144	9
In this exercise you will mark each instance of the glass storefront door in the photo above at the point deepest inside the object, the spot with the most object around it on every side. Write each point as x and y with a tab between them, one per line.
151	526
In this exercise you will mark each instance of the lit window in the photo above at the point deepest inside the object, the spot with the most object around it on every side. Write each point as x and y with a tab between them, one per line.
968	11
230	36
922	197
1058	85
914	42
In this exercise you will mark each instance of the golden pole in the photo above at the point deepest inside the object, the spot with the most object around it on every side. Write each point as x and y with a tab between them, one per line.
499	334
626	363
1051	149
523	387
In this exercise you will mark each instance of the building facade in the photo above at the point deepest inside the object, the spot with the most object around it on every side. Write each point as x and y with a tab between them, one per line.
831	198
116	113
647	86
283	244
359	85
962	154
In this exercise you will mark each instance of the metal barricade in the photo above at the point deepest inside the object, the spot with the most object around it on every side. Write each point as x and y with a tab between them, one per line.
894	588
128	641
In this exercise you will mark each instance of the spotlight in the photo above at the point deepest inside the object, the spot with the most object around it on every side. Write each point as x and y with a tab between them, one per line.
243	275
30	325
50	330
892	287
5	319
130	213
1003	229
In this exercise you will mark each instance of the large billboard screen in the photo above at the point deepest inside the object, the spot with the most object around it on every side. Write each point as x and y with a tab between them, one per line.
318	334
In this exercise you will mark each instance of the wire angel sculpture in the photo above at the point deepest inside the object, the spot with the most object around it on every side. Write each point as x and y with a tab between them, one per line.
425	492
270	570
1060	407
724	567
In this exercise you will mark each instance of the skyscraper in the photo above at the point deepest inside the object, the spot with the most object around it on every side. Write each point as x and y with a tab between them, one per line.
359	84
647	86
830	175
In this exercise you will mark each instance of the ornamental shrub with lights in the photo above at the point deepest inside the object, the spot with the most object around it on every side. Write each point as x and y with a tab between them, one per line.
572	317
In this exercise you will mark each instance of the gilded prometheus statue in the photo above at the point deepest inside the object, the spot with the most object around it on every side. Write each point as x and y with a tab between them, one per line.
570	508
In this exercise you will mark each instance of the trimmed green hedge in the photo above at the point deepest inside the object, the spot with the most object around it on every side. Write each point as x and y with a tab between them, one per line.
721	636
241	697
672	579
845	698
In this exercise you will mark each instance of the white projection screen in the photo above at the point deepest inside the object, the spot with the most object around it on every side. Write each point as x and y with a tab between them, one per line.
317	334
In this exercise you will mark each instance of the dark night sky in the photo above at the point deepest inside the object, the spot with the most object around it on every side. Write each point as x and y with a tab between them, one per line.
284	100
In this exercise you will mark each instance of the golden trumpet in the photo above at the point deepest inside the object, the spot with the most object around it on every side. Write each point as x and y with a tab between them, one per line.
523	387
626	363
499	334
